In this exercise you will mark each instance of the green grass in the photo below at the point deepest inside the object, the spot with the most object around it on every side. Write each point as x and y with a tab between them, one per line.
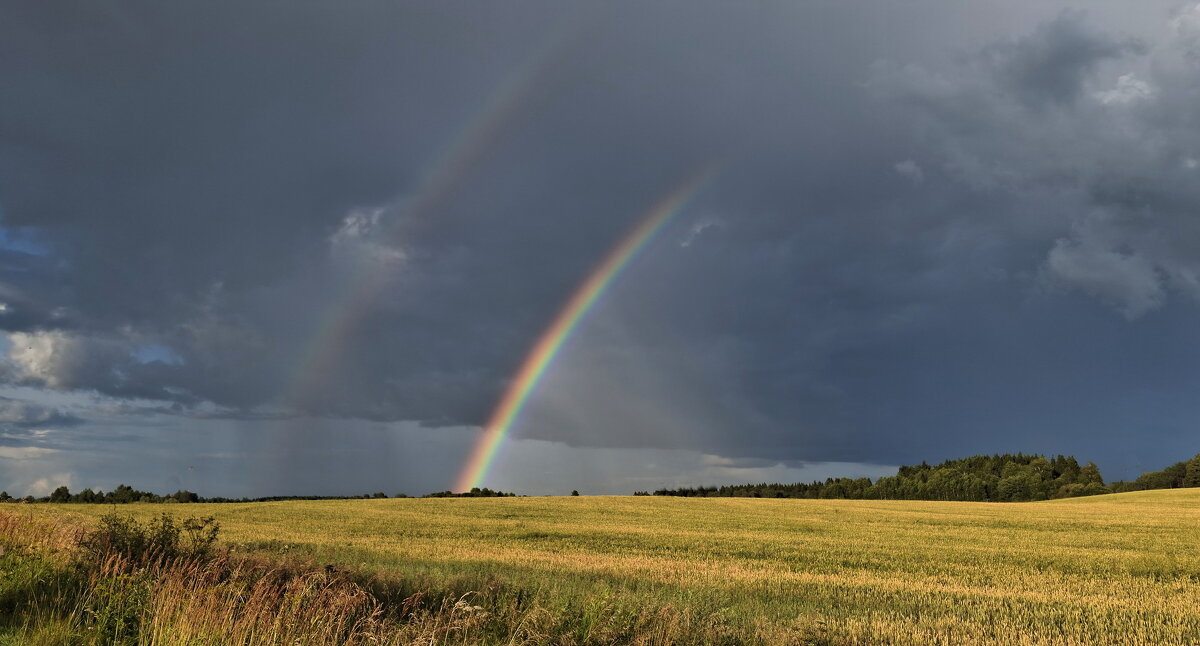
1117	569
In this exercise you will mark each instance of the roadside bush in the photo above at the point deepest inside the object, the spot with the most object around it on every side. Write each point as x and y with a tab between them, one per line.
116	604
156	540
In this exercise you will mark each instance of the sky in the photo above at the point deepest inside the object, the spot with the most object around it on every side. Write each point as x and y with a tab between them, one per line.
268	248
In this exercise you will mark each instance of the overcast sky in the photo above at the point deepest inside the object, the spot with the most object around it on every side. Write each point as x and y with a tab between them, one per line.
257	248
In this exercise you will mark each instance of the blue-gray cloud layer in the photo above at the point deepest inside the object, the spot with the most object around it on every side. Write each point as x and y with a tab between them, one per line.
935	232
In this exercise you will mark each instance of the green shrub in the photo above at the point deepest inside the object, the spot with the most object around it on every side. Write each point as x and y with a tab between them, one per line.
158	539
116	607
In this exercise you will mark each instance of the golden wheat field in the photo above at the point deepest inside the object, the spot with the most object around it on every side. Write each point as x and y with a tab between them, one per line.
1116	569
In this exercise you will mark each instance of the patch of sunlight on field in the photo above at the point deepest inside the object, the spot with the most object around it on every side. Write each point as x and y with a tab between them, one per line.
1117	569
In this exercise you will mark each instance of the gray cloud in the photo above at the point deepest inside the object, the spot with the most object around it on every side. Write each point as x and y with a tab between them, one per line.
1111	165
1128	281
26	414
318	216
1052	65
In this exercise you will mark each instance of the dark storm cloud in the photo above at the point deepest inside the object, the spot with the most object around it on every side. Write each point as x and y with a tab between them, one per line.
900	235
20	413
195	172
923	306
1052	64
188	167
1118	167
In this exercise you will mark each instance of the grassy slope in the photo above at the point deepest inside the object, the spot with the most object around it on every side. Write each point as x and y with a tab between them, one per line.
1110	569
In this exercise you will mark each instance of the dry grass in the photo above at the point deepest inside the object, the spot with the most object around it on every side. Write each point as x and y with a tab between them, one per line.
20	526
56	591
1122	569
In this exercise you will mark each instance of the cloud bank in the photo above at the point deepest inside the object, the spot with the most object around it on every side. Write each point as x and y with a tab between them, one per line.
974	234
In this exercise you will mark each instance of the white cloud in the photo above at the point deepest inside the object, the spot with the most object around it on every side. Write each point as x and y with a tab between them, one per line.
20	412
1186	23
910	170
698	229
1128	89
44	356
363	235
711	460
62	360
24	452
1127	280
43	486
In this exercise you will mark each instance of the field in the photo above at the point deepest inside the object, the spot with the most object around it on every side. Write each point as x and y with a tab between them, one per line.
1116	569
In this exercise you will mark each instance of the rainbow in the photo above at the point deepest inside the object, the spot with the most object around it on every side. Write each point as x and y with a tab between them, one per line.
548	345
368	279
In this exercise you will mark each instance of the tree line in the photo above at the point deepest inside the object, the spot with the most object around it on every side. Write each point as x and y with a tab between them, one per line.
1177	476
980	478
125	494
475	492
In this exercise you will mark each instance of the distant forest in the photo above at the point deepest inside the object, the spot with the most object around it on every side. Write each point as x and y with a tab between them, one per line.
125	494
982	478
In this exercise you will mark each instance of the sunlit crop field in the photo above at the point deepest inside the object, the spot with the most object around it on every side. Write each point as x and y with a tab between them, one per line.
1118	569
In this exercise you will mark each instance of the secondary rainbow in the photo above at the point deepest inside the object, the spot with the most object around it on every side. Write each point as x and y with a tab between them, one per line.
334	331
552	340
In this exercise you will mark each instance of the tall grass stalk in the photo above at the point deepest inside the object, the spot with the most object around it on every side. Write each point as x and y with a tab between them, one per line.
74	596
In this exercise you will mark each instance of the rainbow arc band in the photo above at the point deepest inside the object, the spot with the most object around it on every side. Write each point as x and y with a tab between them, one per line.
551	342
447	171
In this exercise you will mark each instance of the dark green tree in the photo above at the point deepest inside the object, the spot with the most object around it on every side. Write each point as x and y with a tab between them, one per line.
1090	474
1191	472
86	496
183	495
62	494
1005	477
